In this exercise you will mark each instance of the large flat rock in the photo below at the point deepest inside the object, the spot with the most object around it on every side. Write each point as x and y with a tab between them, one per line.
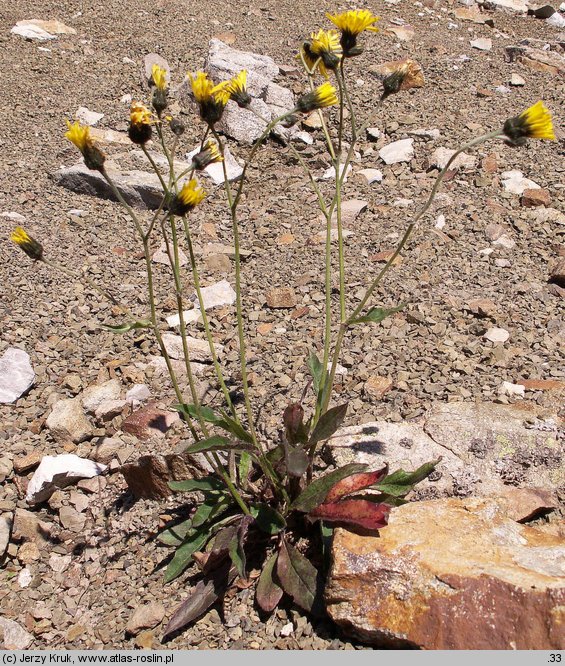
450	574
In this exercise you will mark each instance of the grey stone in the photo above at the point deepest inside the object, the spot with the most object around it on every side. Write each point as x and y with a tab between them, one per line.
71	519
496	334
67	422
108	409
215	171
93	396
242	124
16	375
6	467
13	636
441	156
198	350
106	449
482	43
220	293
5	531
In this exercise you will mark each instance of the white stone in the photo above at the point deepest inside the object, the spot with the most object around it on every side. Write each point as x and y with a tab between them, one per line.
5	531
16	375
339	369
556	20
57	472
287	630
93	396
190	317
59	563
482	43
198	350
216	171
520	6
373	133
30	31
24	578
440	222
514	182
161	256
87	117
138	394
220	293
15	637
505	241
371	175
11	215
441	156
155	59
398	151
495	334
517	80
108	409
511	390
329	174
303	137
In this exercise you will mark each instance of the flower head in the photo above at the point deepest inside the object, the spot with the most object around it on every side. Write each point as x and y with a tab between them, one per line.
188	198
402	75
159	77
208	155
533	123
140	121
351	24
236	89
319	98
325	44
80	135
209	97
28	244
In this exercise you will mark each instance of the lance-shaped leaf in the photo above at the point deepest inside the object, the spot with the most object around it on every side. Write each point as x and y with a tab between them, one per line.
329	422
128	326
316	492
204	594
192	485
218	443
236	546
268	519
298	578
400	483
358	512
268	593
214	504
355	483
175	535
222	420
317	371
183	555
376	315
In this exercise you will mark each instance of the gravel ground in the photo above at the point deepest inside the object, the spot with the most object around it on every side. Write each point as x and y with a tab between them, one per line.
434	350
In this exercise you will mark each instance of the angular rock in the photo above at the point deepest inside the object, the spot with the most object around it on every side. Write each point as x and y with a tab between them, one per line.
371	175
543	11
329	174
511	390
16	375
5	531
556	20
58	472
281	297
141	189
148	421
71	519
13	636
482	43
542	384
517	80
514	182
198	350
377	386
320	237
25	463
532	198
525	504
67	422
228	250
539	60
404	33
450	574
154	59
242	124
495	334
145	617
29	527
350	210
41	30
218	263
189	317
398	151
441	156
138	394
216	295
109	409
87	117
519	6
161	256
6	467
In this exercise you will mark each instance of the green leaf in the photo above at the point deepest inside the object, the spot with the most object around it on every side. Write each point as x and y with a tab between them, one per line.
175	535
314	494
213	506
206	413
376	315
400	483
192	485
244	469
268	520
229	424
218	443
316	370
268	593
329	422
298	578
183	555
128	326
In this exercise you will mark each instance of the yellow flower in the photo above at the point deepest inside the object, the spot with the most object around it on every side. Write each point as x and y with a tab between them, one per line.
209	97
325	44
533	123
208	155
159	76
234	89
28	244
188	198
351	24
319	98
80	136
140	120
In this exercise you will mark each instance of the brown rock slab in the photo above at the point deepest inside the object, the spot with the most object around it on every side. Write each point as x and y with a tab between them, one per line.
148	421
532	198
148	476
145	617
25	463
524	504
542	384
29	527
557	275
450	574
281	297
376	386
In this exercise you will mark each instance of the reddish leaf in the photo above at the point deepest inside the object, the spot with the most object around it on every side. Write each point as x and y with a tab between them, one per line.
268	592
299	578
293	418
359	512
354	483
